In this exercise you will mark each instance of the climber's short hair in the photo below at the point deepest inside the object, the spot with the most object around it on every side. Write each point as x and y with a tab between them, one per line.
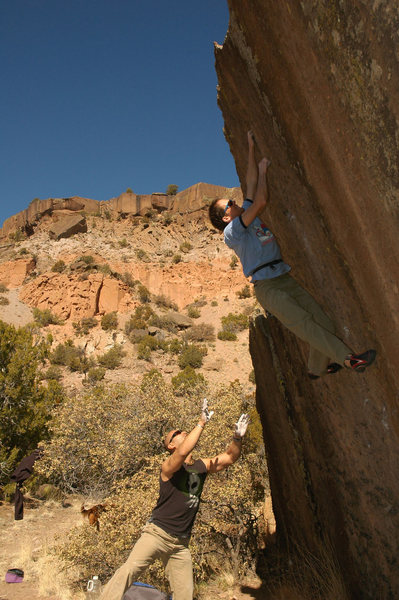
216	215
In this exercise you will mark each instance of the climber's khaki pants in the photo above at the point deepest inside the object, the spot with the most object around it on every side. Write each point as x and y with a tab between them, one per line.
285	299
155	543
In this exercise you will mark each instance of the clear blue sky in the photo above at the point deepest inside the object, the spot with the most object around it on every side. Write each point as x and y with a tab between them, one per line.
101	95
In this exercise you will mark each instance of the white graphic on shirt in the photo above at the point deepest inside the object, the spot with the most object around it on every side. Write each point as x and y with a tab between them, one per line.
263	234
193	489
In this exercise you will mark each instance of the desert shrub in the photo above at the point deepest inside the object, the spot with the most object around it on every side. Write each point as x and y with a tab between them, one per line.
143	293
106	434
58	267
112	359
4	301
140	318
53	372
109	321
175	346
234	322
106	269
185	247
192	355
200	333
87	259
167	218
141	254
233	261
193	312
45	317
70	356
251	376
176	258
214	303
245	292
3	288
23	251
188	381
161	300
84	325
148	344
163	322
227	336
171	190
123	243
95	374
25	403
128	279
225	532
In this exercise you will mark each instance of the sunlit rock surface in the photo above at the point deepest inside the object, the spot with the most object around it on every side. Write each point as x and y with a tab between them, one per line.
318	82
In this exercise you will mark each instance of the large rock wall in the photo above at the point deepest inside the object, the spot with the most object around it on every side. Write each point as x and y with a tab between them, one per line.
318	82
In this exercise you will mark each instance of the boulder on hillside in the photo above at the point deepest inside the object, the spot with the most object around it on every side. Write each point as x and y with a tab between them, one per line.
181	321
68	227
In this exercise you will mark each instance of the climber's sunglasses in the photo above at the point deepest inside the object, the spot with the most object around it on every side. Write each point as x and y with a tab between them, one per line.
174	435
229	203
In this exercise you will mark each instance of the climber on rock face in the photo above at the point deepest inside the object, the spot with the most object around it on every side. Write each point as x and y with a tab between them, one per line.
275	289
167	533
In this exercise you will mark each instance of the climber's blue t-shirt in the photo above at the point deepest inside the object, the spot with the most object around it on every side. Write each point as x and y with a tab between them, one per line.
254	245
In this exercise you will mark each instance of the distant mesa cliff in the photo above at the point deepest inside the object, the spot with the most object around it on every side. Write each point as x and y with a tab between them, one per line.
127	203
318	82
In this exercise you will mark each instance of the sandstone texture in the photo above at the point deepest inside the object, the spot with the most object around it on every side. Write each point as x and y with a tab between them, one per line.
67	227
13	273
318	83
73	297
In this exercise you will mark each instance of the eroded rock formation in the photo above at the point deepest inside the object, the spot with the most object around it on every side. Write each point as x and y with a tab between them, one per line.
318	82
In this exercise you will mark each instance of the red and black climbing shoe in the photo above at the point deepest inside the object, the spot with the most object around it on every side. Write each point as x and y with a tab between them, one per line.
359	362
333	368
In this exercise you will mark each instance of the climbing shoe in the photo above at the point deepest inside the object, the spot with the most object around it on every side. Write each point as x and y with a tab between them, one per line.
359	362
333	368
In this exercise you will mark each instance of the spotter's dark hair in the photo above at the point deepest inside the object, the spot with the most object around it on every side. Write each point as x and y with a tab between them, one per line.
216	214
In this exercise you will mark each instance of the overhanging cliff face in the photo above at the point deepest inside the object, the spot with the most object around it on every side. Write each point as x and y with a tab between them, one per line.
318	82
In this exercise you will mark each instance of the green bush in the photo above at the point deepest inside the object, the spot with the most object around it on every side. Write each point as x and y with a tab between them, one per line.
84	325
214	303
175	346
68	355
25	403
4	301
171	190
192	355
113	358
148	344
141	254
233	261
188	381
176	258
234	322
227	336
143	293
45	317
245	292
185	247
200	333
109	321
58	267
53	372
193	312
128	279
163	322
165	302
87	259
140	318
123	243
3	288
95	374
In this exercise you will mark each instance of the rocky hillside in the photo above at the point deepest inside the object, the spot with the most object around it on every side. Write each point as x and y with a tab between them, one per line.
318	82
127	256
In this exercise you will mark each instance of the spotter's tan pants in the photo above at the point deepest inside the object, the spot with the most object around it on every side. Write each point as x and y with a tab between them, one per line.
285	299
155	543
